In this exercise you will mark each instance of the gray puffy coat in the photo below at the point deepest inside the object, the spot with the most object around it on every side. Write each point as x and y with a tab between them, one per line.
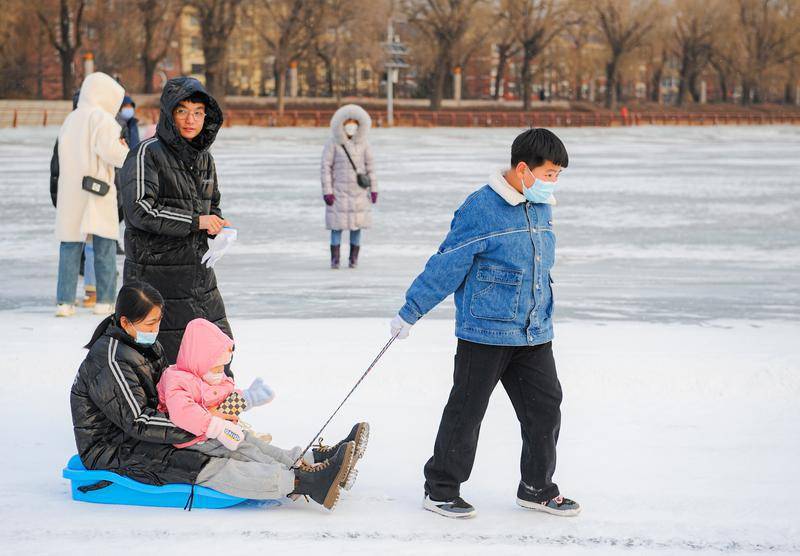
352	207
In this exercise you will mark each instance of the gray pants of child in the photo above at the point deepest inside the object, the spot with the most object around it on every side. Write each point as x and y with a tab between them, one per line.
256	469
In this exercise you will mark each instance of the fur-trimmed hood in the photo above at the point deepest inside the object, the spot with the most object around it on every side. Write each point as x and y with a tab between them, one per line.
350	112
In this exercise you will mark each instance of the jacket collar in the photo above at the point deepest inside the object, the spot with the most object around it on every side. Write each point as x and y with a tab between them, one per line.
118	333
510	195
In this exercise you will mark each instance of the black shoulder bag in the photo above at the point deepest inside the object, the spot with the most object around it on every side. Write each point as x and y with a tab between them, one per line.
93	185
362	179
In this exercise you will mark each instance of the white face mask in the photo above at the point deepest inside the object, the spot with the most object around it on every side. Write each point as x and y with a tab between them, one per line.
350	129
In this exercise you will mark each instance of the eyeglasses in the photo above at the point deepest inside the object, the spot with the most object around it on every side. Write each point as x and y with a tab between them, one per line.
183	114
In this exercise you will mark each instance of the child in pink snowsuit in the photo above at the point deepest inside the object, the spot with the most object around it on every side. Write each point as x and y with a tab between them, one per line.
191	389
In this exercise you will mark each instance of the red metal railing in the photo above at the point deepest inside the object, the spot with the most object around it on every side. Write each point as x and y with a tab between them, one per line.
14	117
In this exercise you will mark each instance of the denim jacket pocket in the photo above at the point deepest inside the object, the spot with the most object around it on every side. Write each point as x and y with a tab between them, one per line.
498	299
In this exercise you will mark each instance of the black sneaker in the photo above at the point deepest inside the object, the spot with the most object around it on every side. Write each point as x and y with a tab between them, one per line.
457	508
358	434
322	482
558	505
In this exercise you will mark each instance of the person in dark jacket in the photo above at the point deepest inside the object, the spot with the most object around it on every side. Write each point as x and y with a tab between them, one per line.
118	427
129	122
171	202
55	168
114	398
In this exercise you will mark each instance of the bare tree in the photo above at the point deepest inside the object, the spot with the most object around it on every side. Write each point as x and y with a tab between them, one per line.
473	42
768	36
624	25
65	36
694	33
444	23
21	38
506	44
158	19
288	27
537	23
332	43
217	22
577	34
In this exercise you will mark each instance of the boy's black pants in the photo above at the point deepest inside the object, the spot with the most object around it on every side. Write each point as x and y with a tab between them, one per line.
529	377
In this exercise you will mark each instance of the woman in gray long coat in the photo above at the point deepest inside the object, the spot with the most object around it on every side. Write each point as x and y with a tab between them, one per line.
346	155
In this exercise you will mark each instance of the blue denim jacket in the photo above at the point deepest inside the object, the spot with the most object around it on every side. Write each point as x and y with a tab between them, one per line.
497	260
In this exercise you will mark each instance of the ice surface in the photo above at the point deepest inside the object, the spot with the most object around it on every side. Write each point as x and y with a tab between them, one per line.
653	223
678	297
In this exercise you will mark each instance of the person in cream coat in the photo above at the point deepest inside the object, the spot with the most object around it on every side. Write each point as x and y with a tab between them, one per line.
89	144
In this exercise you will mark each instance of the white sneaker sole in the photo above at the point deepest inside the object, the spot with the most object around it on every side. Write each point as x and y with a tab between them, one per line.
431	506
542	508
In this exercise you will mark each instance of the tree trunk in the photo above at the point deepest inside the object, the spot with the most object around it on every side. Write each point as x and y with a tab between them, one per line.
214	72
502	62
39	69
756	87
526	79
723	86
746	88
790	90
611	83
326	60
693	86
655	84
311	79
67	75
683	81
280	86
438	87
149	67
329	77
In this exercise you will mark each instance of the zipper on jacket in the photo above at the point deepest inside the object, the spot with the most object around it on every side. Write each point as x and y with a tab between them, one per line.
533	281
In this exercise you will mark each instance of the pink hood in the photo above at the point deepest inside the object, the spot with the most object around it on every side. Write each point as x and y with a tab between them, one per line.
182	392
202	345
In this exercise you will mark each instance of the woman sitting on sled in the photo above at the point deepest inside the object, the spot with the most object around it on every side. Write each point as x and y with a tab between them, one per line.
118	426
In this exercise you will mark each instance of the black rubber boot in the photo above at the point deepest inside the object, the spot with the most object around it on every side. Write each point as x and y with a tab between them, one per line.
335	255
323	482
354	249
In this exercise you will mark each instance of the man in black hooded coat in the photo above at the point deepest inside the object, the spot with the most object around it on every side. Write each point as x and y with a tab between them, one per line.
168	185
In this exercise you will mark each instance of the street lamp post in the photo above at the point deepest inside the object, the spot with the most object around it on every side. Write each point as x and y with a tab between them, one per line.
396	52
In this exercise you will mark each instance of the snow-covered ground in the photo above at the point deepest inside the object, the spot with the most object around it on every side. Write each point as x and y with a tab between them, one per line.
678	296
675	438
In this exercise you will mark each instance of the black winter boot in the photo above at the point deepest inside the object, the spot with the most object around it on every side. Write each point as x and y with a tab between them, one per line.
322	482
358	434
335	252
354	249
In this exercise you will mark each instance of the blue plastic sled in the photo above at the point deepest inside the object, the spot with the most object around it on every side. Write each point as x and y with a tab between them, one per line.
105	487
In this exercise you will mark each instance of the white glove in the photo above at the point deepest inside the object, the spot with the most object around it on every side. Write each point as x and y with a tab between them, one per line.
218	246
398	325
228	433
258	394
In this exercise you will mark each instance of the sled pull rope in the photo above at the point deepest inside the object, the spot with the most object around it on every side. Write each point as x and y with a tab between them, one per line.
190	501
353	389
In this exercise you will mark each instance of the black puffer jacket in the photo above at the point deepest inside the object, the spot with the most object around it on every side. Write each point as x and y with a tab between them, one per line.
167	184
114	416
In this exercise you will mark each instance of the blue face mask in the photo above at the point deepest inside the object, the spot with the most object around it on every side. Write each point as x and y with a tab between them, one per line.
540	191
126	113
146	338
